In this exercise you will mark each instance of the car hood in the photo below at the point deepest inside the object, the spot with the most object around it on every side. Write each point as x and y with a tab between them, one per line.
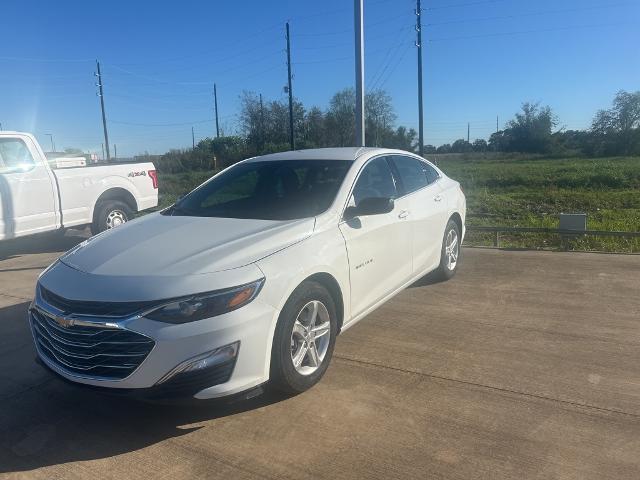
180	245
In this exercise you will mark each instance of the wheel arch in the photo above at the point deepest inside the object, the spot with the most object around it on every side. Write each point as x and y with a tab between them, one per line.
116	193
455	216
329	282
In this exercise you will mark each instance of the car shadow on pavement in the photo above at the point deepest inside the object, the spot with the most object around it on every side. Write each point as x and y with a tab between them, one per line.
429	279
45	421
44	243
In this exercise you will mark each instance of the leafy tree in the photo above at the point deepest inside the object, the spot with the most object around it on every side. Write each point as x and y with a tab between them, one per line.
617	130
530	130
314	129
480	145
429	149
402	139
461	146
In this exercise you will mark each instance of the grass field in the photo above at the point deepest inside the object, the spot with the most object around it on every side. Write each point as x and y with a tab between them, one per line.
527	193
531	193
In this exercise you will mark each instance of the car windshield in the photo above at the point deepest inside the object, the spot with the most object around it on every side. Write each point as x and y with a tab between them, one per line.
267	190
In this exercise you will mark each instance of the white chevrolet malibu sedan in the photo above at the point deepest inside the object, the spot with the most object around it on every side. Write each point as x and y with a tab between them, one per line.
249	278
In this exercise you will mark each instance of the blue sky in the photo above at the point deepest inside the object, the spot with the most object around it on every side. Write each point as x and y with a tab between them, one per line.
482	60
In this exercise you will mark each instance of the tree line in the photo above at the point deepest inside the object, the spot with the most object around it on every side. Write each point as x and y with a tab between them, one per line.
264	128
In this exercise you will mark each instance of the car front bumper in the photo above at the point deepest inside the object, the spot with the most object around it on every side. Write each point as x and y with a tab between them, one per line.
249	328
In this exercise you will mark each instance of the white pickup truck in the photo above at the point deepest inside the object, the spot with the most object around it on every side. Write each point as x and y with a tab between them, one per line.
36	198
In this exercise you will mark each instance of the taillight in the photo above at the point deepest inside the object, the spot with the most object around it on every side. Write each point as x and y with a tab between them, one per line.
153	175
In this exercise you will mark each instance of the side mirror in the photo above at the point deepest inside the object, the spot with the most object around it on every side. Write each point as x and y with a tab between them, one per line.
370	206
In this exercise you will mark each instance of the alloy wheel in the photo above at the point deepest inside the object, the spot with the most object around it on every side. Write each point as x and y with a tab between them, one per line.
452	249
310	337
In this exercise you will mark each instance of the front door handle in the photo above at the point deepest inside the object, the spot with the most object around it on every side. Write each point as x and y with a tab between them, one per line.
403	214
437	198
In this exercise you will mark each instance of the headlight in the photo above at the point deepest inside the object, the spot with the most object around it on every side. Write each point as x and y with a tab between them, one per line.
204	305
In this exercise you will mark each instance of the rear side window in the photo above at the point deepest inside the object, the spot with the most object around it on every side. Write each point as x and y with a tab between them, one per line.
432	173
412	173
14	156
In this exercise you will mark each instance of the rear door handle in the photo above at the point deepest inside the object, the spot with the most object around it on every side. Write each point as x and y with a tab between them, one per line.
403	214
437	198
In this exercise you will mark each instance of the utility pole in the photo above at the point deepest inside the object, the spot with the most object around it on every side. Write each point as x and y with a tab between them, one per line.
261	124
420	104
358	15
53	145
115	151
496	123
104	117
193	139
215	104
468	129
102	151
292	139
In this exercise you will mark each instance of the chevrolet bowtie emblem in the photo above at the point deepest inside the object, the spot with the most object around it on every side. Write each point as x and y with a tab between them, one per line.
63	321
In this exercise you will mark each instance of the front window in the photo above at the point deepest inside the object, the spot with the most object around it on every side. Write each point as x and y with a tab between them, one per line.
269	190
375	181
14	156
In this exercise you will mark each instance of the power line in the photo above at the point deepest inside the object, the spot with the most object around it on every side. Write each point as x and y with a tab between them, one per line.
404	54
384	65
46	60
375	83
467	4
521	15
523	32
211	120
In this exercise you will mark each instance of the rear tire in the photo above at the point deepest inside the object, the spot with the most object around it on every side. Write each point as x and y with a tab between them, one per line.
110	214
450	255
304	339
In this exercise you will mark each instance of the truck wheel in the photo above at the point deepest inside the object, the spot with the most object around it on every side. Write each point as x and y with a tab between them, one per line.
110	214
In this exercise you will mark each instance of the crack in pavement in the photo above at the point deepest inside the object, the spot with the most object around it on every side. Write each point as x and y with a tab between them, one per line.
489	387
2	294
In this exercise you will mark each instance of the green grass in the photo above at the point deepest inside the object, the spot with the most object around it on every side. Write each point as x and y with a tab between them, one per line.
172	186
524	192
531	193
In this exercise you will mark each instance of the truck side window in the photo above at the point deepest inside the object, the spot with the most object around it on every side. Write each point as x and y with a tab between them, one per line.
14	156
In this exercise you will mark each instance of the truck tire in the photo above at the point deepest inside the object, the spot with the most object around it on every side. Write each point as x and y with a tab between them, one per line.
110	214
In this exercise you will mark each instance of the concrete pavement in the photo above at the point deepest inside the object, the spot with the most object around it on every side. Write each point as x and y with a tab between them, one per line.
525	365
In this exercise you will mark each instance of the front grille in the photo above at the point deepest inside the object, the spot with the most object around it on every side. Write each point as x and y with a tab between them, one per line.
103	309
102	352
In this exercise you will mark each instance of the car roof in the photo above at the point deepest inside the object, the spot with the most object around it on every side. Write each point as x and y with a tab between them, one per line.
343	153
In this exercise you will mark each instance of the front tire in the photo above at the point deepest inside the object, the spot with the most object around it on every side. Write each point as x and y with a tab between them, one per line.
110	214
451	253
304	339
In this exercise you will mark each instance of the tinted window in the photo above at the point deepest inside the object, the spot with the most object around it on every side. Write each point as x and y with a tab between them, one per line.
432	173
14	156
276	190
375	180
412	173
